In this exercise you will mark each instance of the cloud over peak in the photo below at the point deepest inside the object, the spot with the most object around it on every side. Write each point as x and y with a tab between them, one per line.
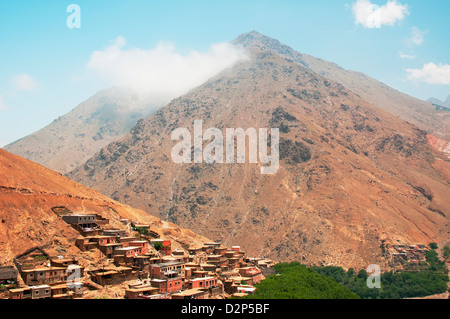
371	16
161	71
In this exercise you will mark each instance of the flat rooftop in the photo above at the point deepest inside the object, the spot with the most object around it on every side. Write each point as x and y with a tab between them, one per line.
171	263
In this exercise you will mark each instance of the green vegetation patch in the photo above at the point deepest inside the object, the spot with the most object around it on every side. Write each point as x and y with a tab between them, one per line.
296	281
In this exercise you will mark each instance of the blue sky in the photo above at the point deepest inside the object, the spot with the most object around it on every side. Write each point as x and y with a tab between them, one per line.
45	70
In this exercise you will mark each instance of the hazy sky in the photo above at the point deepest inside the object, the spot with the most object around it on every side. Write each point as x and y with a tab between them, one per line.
47	68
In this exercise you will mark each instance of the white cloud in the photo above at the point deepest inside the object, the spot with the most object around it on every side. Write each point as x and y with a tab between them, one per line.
431	73
373	16
24	82
417	37
406	56
161	71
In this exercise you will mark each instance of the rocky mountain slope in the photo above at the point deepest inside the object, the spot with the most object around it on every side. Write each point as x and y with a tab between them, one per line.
30	196
352	177
420	113
76	136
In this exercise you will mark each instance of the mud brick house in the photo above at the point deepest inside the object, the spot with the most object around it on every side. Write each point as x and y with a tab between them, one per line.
33	292
114	232
187	273
104	239
165	244
112	276
213	245
141	292
128	251
252	272
412	254
86	225
209	267
126	239
86	243
178	252
41	292
207	249
100	220
168	284
20	293
200	273
180	255
142	263
189	269
234	259
217	260
85	221
239	252
106	244
8	274
190	294
231	284
164	269
44	275
64	291
194	250
203	283
220	250
143	244
109	249
63	262
231	254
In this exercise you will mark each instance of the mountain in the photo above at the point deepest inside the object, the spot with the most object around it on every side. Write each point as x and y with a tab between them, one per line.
435	101
30	197
75	137
418	112
352	177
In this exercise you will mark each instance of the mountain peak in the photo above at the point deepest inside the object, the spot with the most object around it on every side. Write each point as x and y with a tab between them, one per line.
447	102
254	38
255	41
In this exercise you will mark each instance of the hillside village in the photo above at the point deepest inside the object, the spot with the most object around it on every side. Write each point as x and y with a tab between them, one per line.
135	263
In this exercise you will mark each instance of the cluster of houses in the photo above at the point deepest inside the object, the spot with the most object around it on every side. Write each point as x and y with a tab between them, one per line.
41	276
144	263
208	271
409	254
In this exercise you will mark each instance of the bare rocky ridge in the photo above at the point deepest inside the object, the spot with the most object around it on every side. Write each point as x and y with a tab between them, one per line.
420	113
30	196
352	176
76	136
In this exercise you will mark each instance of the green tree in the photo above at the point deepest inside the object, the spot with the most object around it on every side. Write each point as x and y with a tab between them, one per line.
296	281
